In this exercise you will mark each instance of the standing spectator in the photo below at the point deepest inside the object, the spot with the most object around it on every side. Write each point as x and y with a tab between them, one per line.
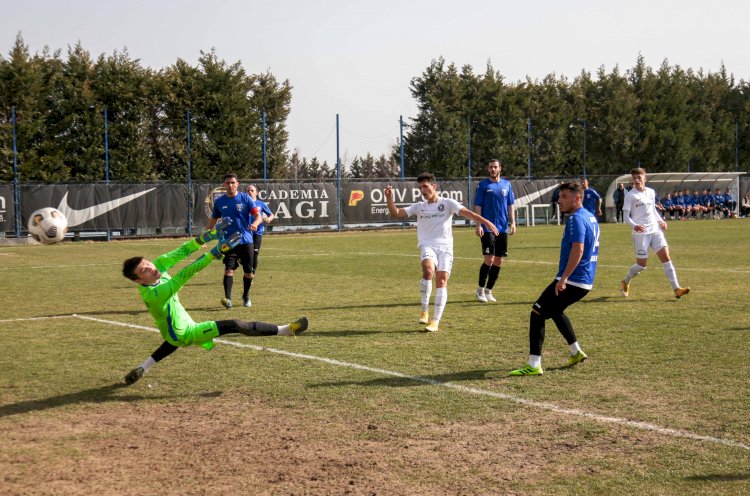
575	277
246	218
494	201
619	197
435	241
592	200
554	202
648	233
267	217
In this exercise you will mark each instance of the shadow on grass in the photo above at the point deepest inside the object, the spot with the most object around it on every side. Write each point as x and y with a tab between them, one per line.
418	380
720	477
96	395
415	304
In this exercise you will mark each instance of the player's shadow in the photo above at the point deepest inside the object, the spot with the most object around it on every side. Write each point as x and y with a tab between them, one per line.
96	395
720	477
416	380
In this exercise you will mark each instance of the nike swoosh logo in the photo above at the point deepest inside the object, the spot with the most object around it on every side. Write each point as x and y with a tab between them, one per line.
78	217
525	200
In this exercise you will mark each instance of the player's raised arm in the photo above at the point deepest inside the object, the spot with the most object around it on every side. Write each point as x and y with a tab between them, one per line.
393	211
465	212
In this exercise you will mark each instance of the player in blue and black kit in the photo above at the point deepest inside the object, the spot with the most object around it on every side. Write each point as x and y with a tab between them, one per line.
592	200
579	251
246	218
267	217
494	201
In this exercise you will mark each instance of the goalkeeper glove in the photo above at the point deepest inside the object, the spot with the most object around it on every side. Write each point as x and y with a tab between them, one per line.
218	232
226	244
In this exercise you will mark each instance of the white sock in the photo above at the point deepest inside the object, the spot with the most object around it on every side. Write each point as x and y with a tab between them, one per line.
535	360
441	298
425	290
671	274
147	364
284	330
634	271
574	348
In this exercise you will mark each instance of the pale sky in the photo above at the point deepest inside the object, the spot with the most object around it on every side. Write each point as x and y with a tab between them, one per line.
357	58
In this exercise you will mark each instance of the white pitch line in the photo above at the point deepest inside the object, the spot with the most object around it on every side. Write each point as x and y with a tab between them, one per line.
465	389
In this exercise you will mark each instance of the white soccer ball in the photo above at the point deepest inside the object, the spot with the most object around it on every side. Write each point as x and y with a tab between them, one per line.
48	225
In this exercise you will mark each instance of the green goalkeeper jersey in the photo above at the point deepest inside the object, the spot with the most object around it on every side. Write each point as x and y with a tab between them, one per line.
163	303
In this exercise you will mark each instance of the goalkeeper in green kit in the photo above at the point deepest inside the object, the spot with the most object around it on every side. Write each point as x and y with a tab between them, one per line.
160	294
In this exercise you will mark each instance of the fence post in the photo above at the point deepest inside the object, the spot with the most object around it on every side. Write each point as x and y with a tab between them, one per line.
190	179
16	187
265	165
528	146
401	143
106	162
338	177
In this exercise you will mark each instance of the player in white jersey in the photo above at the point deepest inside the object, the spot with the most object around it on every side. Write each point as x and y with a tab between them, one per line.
435	240
640	214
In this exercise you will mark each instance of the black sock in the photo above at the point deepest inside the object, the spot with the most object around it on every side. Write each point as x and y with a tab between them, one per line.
483	271
536	334
565	327
246	328
228	281
246	283
493	275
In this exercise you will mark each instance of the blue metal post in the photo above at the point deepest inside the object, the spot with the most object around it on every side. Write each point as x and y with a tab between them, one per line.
265	163
338	176
190	179
639	142
106	162
585	125
16	187
106	147
736	145
468	162
528	146
401	143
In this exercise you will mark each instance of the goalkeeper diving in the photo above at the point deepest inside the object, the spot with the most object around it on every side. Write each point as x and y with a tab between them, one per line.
160	294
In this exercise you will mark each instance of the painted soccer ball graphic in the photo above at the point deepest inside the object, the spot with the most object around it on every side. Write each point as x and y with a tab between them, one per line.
48	225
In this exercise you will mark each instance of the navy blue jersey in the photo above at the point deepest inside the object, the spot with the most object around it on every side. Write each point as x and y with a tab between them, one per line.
590	200
495	198
241	209
581	227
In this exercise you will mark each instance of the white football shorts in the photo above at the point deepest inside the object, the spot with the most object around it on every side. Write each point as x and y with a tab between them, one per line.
642	242
441	256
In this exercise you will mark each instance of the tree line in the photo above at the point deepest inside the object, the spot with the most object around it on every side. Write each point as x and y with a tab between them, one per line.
669	119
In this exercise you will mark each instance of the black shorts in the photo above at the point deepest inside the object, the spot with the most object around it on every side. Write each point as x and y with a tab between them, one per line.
240	255
549	304
495	245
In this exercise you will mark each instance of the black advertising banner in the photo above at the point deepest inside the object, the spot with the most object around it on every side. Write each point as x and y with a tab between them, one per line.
110	206
150	206
365	202
293	204
7	208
